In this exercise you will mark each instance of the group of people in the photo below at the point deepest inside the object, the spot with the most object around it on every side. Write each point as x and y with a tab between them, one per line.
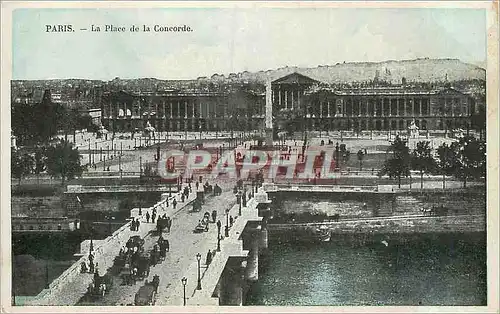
91	268
134	225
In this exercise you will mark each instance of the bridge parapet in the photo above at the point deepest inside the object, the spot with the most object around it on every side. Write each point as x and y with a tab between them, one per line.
71	285
232	250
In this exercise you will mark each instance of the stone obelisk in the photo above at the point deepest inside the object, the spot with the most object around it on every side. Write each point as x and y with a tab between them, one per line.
269	114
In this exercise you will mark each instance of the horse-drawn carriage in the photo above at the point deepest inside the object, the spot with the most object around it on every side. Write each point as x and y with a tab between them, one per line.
203	224
132	263
146	295
135	241
197	205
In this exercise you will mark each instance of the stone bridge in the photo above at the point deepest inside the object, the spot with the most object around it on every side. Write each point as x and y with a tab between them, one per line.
222	280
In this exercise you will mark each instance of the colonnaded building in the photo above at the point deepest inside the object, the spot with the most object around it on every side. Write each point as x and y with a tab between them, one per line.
295	95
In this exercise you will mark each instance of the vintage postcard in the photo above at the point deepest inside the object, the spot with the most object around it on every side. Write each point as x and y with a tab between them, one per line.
249	156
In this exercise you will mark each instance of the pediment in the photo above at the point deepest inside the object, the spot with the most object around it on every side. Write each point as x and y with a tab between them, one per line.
295	78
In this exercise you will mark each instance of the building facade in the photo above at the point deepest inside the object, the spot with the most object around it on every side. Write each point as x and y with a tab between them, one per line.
182	111
294	96
378	108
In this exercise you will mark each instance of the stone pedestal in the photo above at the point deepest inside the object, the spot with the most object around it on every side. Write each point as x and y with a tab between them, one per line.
252	265
263	239
232	284
269	137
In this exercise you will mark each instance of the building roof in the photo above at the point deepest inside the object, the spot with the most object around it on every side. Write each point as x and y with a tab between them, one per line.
389	91
295	78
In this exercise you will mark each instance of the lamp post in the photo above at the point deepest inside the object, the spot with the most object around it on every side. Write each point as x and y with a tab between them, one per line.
198	257
184	282
218	241
238	200
226	229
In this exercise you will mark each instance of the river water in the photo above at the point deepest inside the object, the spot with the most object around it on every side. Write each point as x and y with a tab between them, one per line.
438	270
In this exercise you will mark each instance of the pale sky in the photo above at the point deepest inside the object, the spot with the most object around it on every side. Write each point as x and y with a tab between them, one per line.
235	40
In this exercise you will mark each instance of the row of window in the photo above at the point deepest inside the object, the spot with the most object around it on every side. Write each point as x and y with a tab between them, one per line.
182	109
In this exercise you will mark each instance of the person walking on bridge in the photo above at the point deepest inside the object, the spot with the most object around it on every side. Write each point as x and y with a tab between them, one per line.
174	203
219	225
153	217
214	215
137	224
169	224
147	217
209	258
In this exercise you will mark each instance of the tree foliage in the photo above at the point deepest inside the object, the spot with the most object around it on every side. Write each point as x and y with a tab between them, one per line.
422	160
64	161
22	164
40	122
471	159
399	164
465	159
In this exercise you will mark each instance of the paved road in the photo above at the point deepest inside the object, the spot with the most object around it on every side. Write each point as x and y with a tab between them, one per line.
184	245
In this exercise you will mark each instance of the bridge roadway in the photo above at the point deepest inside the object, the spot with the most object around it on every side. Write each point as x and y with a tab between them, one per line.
184	245
69	288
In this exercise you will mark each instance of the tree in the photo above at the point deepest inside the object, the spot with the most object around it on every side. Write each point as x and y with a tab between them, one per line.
478	121
422	160
21	164
447	160
22	122
40	162
64	161
399	164
471	159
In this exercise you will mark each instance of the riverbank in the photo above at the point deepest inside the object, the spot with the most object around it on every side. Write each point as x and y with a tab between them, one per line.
363	229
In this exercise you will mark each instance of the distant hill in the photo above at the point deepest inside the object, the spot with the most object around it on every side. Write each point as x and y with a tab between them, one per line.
391	71
418	70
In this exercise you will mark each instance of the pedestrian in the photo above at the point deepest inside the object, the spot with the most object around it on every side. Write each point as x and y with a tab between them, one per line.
156	282
159	225
197	185
147	217
182	198
153	217
219	225
132	225
214	215
137	223
169	224
174	203
83	267
231	220
209	258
